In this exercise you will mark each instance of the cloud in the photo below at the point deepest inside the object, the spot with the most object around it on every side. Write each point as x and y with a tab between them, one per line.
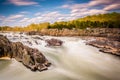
12	19
24	20
93	3
84	12
47	17
75	6
99	2
65	6
92	7
24	12
103	3
38	14
22	2
1	17
112	7
76	11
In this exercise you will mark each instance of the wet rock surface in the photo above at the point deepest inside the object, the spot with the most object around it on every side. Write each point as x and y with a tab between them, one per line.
106	45
31	58
53	42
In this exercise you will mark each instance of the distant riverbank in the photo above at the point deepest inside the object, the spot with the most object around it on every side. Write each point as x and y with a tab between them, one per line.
96	32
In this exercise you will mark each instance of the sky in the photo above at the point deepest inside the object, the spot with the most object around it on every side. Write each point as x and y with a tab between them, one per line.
24	12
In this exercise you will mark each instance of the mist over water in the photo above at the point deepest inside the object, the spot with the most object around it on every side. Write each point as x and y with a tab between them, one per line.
72	61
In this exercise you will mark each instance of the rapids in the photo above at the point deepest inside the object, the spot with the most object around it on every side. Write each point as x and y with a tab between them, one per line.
74	60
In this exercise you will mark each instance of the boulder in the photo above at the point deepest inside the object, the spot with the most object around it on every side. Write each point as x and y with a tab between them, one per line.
5	49
54	42
30	57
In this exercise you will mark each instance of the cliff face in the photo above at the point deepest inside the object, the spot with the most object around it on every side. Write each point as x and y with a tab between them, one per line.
31	58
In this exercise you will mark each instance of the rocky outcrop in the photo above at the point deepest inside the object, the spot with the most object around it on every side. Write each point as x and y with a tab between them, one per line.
106	45
96	32
5	46
54	42
34	33
31	58
63	32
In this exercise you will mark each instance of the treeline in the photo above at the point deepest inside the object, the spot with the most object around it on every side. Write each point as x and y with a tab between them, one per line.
108	20
31	27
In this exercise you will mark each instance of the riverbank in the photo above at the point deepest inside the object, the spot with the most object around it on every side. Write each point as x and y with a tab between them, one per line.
95	32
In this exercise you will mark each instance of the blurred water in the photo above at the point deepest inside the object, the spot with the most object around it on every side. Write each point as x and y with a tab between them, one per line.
72	61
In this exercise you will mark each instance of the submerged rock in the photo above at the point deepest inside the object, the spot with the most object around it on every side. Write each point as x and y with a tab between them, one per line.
31	58
54	42
36	37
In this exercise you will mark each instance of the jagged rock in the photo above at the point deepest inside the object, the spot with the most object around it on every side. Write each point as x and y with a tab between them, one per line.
17	49
113	33
31	58
5	49
34	33
106	45
54	42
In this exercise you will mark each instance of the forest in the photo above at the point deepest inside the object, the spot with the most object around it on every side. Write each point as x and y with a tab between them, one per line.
108	20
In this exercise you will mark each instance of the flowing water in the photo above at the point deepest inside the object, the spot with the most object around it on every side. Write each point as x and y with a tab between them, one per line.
72	61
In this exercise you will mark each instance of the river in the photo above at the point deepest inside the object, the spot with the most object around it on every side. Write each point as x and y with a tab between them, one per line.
74	60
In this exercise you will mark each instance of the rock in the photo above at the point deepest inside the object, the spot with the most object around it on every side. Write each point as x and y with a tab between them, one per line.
106	45
31	58
113	33
5	49
34	33
36	37
54	42
30	43
17	50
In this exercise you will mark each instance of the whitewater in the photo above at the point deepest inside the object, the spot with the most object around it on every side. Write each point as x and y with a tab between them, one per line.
74	60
